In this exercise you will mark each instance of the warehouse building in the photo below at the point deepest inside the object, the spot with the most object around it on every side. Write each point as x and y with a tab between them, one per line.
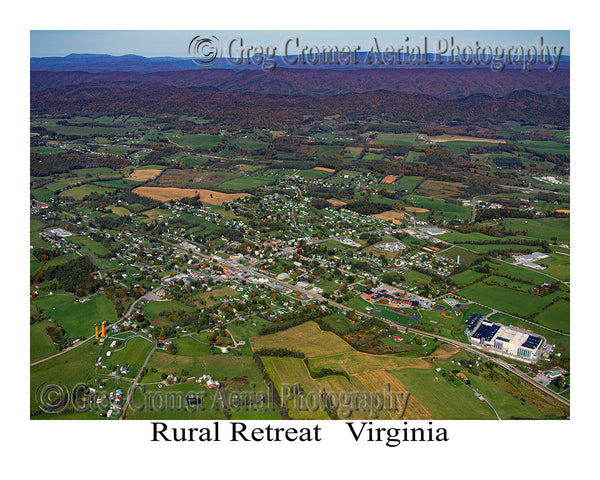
504	340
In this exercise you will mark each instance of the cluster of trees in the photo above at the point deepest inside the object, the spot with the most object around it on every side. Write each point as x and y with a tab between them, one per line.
279	352
296	317
45	254
492	213
36	314
196	320
42	165
58	336
132	198
371	238
325	372
75	276
366	207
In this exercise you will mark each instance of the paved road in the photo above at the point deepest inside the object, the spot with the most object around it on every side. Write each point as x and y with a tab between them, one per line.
68	349
135	383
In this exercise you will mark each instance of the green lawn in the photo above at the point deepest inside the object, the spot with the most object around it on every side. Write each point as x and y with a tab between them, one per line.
133	354
466	257
89	244
193	346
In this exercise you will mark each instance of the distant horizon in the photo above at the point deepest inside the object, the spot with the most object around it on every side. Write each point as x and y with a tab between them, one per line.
163	56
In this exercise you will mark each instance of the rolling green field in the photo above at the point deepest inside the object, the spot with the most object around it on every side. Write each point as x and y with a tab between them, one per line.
79	192
505	299
546	146
398	139
452	401
193	346
559	266
78	319
153	309
556	316
545	228
67	369
468	276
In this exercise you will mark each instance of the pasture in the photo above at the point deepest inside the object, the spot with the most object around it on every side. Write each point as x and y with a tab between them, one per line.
79	192
505	299
78	319
40	345
546	228
68	369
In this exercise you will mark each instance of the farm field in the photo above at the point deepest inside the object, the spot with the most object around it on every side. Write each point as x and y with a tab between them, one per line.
444	399
398	139
459	138
193	345
307	338
440	207
144	174
171	193
556	316
154	309
459	255
505	299
437	189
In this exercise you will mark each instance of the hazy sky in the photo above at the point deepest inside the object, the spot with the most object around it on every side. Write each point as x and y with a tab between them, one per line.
156	43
